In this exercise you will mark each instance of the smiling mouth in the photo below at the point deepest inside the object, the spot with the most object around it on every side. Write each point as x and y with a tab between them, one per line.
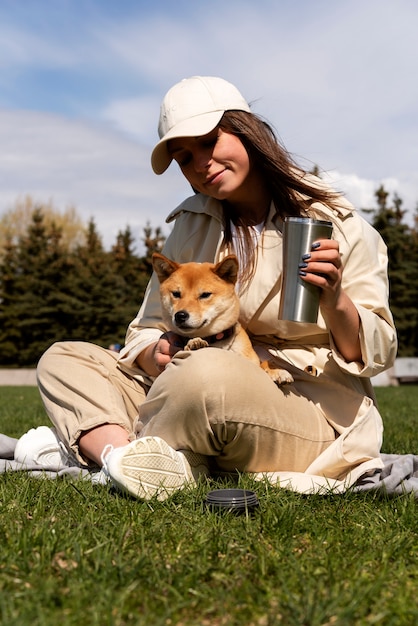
214	178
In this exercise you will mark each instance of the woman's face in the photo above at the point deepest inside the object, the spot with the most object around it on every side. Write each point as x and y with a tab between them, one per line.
216	164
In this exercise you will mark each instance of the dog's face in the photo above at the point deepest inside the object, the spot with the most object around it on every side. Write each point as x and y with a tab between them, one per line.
198	299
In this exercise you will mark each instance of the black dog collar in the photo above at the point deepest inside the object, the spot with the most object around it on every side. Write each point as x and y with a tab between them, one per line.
211	339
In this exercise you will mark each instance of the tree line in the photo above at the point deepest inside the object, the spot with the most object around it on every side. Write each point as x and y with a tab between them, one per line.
55	288
52	291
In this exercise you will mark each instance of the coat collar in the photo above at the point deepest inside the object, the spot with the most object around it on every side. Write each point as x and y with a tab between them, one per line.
209	206
198	204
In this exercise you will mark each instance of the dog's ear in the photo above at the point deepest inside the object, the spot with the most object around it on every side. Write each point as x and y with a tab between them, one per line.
163	266
227	269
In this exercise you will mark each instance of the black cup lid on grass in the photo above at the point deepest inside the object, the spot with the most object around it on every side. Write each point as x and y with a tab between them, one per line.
232	499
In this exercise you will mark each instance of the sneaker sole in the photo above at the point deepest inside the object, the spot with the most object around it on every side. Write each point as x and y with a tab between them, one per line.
150	467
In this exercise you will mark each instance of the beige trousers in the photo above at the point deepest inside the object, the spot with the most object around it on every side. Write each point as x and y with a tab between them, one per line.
210	401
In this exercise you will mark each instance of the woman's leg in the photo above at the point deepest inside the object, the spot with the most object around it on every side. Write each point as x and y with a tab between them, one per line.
89	400
213	403
219	404
92	443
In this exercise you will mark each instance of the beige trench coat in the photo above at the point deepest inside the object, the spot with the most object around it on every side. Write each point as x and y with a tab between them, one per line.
342	390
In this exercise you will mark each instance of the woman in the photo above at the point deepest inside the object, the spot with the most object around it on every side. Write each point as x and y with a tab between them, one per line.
211	408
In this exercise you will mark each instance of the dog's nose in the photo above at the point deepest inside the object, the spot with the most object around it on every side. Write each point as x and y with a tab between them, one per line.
181	317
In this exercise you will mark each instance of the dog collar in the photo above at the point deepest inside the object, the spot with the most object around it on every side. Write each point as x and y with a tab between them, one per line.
225	334
211	339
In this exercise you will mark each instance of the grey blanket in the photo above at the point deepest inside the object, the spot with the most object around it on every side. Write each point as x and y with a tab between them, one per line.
399	474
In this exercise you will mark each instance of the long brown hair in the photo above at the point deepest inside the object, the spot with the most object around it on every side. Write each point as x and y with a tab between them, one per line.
291	193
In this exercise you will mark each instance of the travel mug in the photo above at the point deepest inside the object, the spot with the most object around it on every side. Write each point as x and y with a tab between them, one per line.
300	300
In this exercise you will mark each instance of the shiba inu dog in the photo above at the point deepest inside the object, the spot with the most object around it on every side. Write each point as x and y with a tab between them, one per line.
199	302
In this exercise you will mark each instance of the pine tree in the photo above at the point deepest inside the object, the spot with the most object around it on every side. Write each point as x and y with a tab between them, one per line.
92	286
9	330
106	289
127	265
50	293
153	242
401	241
30	290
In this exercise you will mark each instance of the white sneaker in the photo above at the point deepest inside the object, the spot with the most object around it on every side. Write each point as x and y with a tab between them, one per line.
149	467
99	477
41	446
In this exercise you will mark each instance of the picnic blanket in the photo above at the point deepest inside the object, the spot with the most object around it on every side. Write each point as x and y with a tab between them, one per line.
398	476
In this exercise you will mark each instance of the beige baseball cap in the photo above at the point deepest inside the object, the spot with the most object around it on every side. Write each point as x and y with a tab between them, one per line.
192	108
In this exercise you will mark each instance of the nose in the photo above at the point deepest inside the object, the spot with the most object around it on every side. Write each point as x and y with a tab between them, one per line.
181	317
201	160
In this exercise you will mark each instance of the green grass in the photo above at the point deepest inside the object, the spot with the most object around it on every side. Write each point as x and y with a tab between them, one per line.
78	554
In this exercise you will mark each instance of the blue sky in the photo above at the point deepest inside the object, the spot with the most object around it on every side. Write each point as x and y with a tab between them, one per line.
81	83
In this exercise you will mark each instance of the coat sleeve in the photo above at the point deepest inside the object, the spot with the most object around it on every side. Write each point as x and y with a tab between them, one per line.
365	280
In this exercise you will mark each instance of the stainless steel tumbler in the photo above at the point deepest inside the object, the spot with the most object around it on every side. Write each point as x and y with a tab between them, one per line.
300	300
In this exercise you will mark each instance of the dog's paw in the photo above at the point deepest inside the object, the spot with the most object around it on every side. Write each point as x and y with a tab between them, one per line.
277	374
196	343
281	377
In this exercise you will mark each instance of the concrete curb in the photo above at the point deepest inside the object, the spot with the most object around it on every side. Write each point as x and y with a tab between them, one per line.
18	378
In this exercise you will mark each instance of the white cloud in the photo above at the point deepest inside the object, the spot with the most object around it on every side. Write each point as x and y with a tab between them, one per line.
335	79
102	174
361	191
137	117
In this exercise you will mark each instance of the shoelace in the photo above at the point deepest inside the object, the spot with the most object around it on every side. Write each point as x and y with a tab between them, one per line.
105	453
64	453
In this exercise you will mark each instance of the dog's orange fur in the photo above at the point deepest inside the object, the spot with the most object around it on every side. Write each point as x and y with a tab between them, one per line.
199	301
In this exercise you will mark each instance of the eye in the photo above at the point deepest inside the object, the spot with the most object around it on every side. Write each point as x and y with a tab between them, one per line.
176	294
183	158
208	141
205	295
184	162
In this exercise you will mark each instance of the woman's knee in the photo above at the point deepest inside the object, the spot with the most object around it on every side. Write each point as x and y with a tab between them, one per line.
57	350
210	367
213	381
48	359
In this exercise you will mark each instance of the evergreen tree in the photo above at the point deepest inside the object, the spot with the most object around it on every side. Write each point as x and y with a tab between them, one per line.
107	288
135	274
28	321
50	293
9	331
127	264
95	290
153	242
401	241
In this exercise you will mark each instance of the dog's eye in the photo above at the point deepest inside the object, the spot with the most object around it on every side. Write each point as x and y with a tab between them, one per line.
205	295
176	294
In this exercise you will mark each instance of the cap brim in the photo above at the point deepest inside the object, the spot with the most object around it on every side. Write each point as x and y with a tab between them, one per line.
192	127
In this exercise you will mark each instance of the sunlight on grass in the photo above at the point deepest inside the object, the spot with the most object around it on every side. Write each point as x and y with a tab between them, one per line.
74	553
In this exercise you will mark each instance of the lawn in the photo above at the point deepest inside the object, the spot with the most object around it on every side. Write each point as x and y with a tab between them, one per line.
78	554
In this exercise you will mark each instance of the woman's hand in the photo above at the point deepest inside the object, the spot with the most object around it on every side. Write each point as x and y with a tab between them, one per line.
156	356
166	347
323	267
